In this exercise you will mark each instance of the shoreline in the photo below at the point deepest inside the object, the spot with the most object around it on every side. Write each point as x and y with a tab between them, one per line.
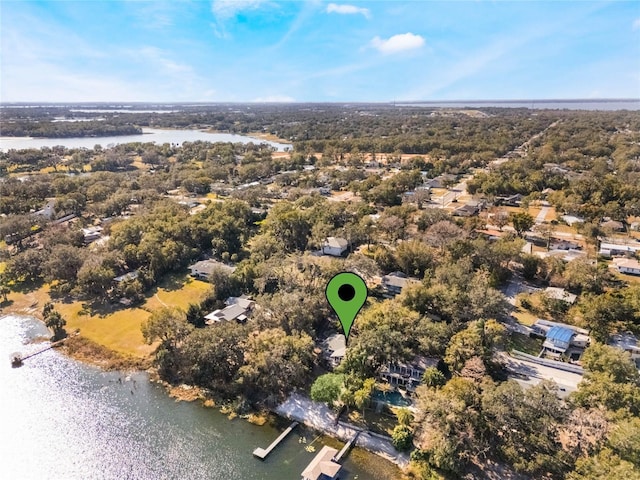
86	351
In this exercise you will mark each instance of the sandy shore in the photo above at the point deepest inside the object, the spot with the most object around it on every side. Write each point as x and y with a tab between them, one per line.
321	417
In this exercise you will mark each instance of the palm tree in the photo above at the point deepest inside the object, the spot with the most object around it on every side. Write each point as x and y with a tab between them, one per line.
55	322
4	291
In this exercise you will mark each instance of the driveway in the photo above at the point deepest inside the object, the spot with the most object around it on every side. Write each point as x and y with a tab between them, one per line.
529	374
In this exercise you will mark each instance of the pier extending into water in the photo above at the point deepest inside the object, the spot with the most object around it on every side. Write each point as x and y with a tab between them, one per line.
17	359
262	453
346	448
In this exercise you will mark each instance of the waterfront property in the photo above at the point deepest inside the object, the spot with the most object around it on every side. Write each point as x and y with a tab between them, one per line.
407	375
262	453
334	348
322	467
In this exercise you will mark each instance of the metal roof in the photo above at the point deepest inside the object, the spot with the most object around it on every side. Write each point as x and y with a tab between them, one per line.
560	334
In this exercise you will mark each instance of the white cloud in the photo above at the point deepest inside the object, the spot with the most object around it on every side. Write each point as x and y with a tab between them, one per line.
230	8
348	10
636	24
275	99
398	43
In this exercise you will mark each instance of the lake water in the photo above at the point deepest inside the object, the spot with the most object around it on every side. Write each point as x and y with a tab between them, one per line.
155	135
61	419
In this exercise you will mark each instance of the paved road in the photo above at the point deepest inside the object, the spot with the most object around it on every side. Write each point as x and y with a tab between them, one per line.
542	215
528	374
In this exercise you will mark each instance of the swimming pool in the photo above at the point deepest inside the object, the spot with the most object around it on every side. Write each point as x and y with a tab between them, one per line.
391	398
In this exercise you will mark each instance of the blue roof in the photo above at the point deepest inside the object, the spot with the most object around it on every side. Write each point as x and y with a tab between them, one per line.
560	334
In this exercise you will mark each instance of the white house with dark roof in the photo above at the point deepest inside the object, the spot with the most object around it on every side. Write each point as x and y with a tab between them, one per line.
335	246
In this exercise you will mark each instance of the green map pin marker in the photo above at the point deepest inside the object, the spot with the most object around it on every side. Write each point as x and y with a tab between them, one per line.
346	293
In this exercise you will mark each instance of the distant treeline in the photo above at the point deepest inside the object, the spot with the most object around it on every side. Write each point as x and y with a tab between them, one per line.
49	129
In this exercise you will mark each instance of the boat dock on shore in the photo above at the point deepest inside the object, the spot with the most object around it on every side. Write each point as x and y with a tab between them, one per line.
262	453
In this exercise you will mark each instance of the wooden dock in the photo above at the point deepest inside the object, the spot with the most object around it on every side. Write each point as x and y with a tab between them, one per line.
262	453
346	448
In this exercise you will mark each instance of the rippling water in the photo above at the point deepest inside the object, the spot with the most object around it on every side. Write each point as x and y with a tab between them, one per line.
60	419
155	135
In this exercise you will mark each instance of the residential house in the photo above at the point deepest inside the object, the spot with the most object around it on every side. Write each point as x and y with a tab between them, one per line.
393	283
323	467
627	265
556	293
510	201
609	248
440	181
571	219
48	211
127	276
613	225
334	349
237	308
564	245
561	339
203	269
91	234
335	246
468	210
407	375
629	343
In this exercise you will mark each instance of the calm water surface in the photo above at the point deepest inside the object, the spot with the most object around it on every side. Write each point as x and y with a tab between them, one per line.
64	420
155	135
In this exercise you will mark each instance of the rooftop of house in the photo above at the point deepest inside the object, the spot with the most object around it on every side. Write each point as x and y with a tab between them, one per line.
236	309
626	263
397	279
336	344
322	465
560	334
336	242
625	341
127	276
547	325
207	267
560	294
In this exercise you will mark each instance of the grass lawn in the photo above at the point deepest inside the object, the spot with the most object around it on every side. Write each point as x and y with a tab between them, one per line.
524	317
524	343
177	290
113	327
118	331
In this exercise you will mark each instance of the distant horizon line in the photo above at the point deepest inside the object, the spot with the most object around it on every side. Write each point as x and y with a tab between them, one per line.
386	102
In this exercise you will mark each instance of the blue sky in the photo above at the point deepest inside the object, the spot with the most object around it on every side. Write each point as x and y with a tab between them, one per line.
262	50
